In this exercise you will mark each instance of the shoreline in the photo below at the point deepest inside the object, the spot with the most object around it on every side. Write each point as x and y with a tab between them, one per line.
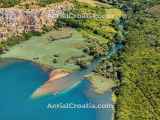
44	67
57	74
48	87
53	74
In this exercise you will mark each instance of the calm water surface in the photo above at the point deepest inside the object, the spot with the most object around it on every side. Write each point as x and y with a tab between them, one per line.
19	79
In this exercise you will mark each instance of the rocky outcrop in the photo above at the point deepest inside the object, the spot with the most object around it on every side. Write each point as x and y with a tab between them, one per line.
15	21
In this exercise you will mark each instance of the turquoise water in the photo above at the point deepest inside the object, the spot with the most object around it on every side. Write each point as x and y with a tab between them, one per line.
115	49
19	79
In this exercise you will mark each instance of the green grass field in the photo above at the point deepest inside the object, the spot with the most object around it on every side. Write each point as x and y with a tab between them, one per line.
51	53
100	84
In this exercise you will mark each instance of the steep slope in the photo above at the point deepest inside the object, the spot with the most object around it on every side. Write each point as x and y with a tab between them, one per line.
138	97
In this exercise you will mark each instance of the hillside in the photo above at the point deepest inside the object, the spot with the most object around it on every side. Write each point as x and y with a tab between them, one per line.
26	3
138	96
15	21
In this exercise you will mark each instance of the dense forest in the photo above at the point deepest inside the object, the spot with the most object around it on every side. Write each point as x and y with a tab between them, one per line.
11	3
138	96
8	3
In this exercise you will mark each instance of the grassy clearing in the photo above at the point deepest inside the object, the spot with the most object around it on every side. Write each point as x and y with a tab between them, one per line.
101	25
155	10
52	53
111	13
90	2
100	83
101	40
95	3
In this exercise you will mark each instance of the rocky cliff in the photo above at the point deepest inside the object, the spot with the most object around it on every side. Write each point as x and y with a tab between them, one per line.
14	21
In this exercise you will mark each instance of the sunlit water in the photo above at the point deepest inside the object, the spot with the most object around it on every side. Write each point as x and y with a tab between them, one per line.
19	79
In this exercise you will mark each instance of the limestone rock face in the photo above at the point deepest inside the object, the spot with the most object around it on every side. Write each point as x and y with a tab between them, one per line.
16	21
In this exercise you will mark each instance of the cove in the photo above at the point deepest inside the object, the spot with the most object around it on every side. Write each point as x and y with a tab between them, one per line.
18	80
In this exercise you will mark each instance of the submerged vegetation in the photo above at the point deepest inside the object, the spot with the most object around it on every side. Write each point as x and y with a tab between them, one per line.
13	40
60	53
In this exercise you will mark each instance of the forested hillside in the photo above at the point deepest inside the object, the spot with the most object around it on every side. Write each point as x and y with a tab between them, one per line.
138	96
11	3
